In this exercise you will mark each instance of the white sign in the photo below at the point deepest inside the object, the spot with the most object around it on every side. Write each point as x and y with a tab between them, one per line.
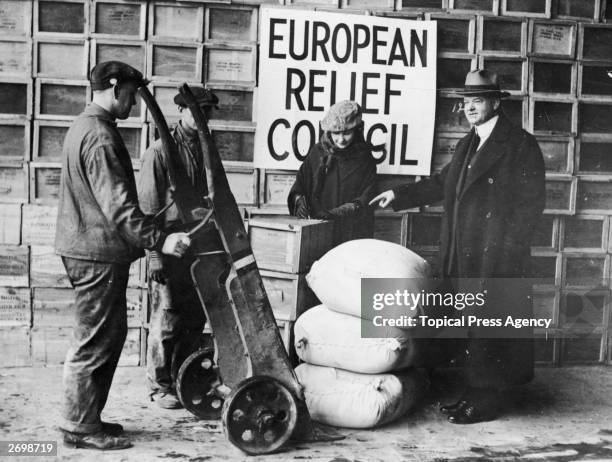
309	60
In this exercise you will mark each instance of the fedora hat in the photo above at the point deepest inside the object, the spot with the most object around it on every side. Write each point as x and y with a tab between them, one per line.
482	82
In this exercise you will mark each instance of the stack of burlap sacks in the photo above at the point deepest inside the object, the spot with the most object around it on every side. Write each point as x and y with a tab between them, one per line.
350	381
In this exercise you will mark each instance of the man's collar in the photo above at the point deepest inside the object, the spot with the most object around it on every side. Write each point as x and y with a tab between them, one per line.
484	130
98	111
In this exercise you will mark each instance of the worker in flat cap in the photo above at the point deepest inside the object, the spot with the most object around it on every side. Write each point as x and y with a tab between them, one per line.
338	177
493	195
101	230
176	312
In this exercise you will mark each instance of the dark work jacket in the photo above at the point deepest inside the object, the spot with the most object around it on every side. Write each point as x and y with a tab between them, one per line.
350	179
502	199
99	217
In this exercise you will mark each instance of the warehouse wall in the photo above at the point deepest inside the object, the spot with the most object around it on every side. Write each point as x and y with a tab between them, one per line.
551	54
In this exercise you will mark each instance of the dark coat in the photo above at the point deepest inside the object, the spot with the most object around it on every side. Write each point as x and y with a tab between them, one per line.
497	210
338	185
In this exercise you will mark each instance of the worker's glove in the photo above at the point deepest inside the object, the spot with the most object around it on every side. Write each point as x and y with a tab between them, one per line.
156	268
176	244
301	207
344	210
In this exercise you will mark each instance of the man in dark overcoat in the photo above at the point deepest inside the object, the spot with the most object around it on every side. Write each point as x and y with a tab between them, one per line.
493	193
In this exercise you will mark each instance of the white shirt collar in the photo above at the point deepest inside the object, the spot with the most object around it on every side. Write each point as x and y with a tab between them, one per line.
484	130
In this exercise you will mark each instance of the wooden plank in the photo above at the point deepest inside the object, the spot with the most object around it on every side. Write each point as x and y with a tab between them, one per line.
15	347
65	17
46	268
561	195
15	309
595	42
552	39
45	182
174	61
50	345
10	224
137	271
67	58
277	186
558	153
14	140
553	77
39	224
500	36
53	307
421	5
233	105
15	18
234	145
14	183
49	139
14	265
531	8
390	227
178	21
15	56
289	294
16	97
552	117
482	6
289	244
367	4
243	183
545	349
230	65
60	99
118	19
231	24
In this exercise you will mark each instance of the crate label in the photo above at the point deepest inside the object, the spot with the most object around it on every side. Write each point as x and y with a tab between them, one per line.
117	19
14	307
13	141
61	59
278	187
47	182
13	266
12	184
47	269
39	224
552	39
14	17
14	57
230	65
10	224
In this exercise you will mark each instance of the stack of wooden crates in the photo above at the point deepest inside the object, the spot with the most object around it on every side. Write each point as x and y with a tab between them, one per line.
285	248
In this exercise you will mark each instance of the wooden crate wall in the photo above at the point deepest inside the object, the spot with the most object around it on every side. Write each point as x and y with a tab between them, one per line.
552	55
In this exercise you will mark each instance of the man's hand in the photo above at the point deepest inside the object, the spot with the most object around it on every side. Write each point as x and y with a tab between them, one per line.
301	207
383	199
176	244
156	268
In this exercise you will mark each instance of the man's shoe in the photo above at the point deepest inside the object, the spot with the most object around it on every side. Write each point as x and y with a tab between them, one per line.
113	429
99	440
473	412
166	400
452	408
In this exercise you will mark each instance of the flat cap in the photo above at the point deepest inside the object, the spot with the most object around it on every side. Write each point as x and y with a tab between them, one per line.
342	116
203	96
102	75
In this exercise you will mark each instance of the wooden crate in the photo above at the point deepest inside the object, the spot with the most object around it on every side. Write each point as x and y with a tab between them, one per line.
53	307
60	99
501	36
45	180
231	24
234	104
14	140
595	118
584	309
452	69
276	186
49	139
594	83
546	234
585	233
134	135
424	231
552	77
14	261
420	5
50	345
289	244
367	4
552	116
391	227
176	21
15	347
61	17
594	42
582	348
560	194
444	150
234	143
480	6
132	53
449	115
10	224
524	8
570	9
243	182
16	97
38	225
289	294
15	18
545	268
174	61
546	349
15	56
46	268
137	273
15	307
65	58
132	348
512	73
456	33
558	153
555	39
235	64
13	182
594	195
582	269
545	302
118	19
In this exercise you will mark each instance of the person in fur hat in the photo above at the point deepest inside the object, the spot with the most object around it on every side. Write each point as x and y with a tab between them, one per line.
338	177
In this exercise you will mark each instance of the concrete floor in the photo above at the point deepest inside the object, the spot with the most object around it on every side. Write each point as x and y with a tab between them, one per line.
565	415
